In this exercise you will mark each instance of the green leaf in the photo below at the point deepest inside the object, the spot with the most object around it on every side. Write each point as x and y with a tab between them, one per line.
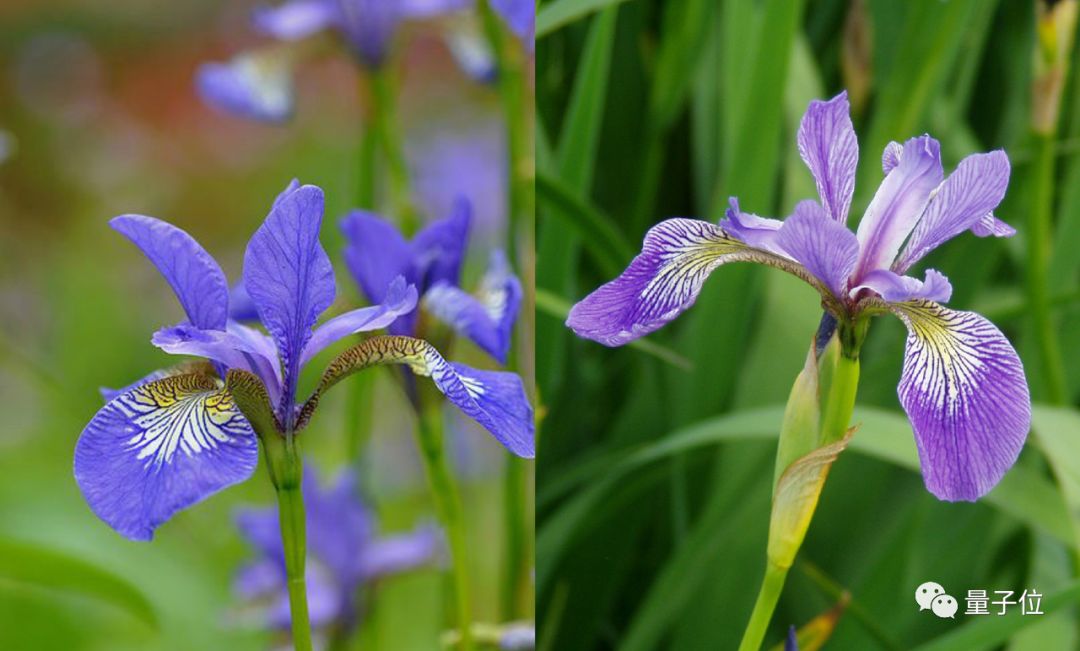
559	13
33	566
601	237
1055	431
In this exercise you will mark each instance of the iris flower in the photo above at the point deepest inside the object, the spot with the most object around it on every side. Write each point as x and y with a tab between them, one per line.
431	261
962	385
344	553
258	84
178	436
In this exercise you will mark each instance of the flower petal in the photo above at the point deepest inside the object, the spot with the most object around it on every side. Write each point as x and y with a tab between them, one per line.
432	8
439	247
974	189
891	156
758	232
964	390
196	278
520	17
376	253
255	85
898	204
401	553
290	279
990	225
821	244
829	148
400	299
896	288
296	19
160	448
487	321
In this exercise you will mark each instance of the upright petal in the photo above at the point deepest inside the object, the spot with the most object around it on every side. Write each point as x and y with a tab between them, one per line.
439	247
376	253
289	277
896	288
898	204
296	19
964	390
970	193
829	148
241	307
255	85
160	448
400	299
661	283
821	244
196	278
487	321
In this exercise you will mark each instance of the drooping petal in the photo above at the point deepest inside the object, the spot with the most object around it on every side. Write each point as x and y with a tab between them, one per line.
439	247
400	299
520	17
829	148
184	368
194	275
964	390
821	244
758	232
890	158
401	553
296	19
160	448
898	204
289	277
990	225
494	399
376	253
237	347
896	288
255	85
971	192
489	320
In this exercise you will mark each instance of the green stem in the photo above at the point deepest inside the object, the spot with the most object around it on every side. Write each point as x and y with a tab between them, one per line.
769	594
385	125
1038	265
448	506
286	470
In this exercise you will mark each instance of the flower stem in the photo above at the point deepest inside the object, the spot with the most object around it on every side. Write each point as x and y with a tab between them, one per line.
763	608
385	126
286	471
448	506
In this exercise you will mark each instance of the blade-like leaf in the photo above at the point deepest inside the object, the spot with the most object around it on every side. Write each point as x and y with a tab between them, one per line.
559	13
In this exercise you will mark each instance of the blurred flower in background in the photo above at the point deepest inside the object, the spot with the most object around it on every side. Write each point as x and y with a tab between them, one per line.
345	554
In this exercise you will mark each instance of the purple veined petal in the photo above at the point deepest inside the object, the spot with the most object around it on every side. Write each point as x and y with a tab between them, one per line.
758	232
255	86
296	19
108	394
964	391
241	307
898	205
972	191
161	448
990	225
661	283
238	347
829	148
439	247
890	158
290	279
821	244
400	299
194	275
896	288
401	553
293	186
520	17
376	253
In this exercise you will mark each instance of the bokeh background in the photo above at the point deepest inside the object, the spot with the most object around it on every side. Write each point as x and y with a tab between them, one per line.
655	460
99	117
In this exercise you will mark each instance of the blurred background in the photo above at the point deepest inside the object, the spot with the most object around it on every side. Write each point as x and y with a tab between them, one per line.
99	117
653	493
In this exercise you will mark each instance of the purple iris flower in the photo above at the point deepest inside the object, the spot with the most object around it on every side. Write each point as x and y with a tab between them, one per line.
791	643
962	386
257	85
177	436
344	553
432	261
519	16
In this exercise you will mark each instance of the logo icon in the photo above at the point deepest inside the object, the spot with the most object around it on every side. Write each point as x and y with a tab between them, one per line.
931	596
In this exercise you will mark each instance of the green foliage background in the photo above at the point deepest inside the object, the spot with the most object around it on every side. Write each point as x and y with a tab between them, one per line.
656	460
